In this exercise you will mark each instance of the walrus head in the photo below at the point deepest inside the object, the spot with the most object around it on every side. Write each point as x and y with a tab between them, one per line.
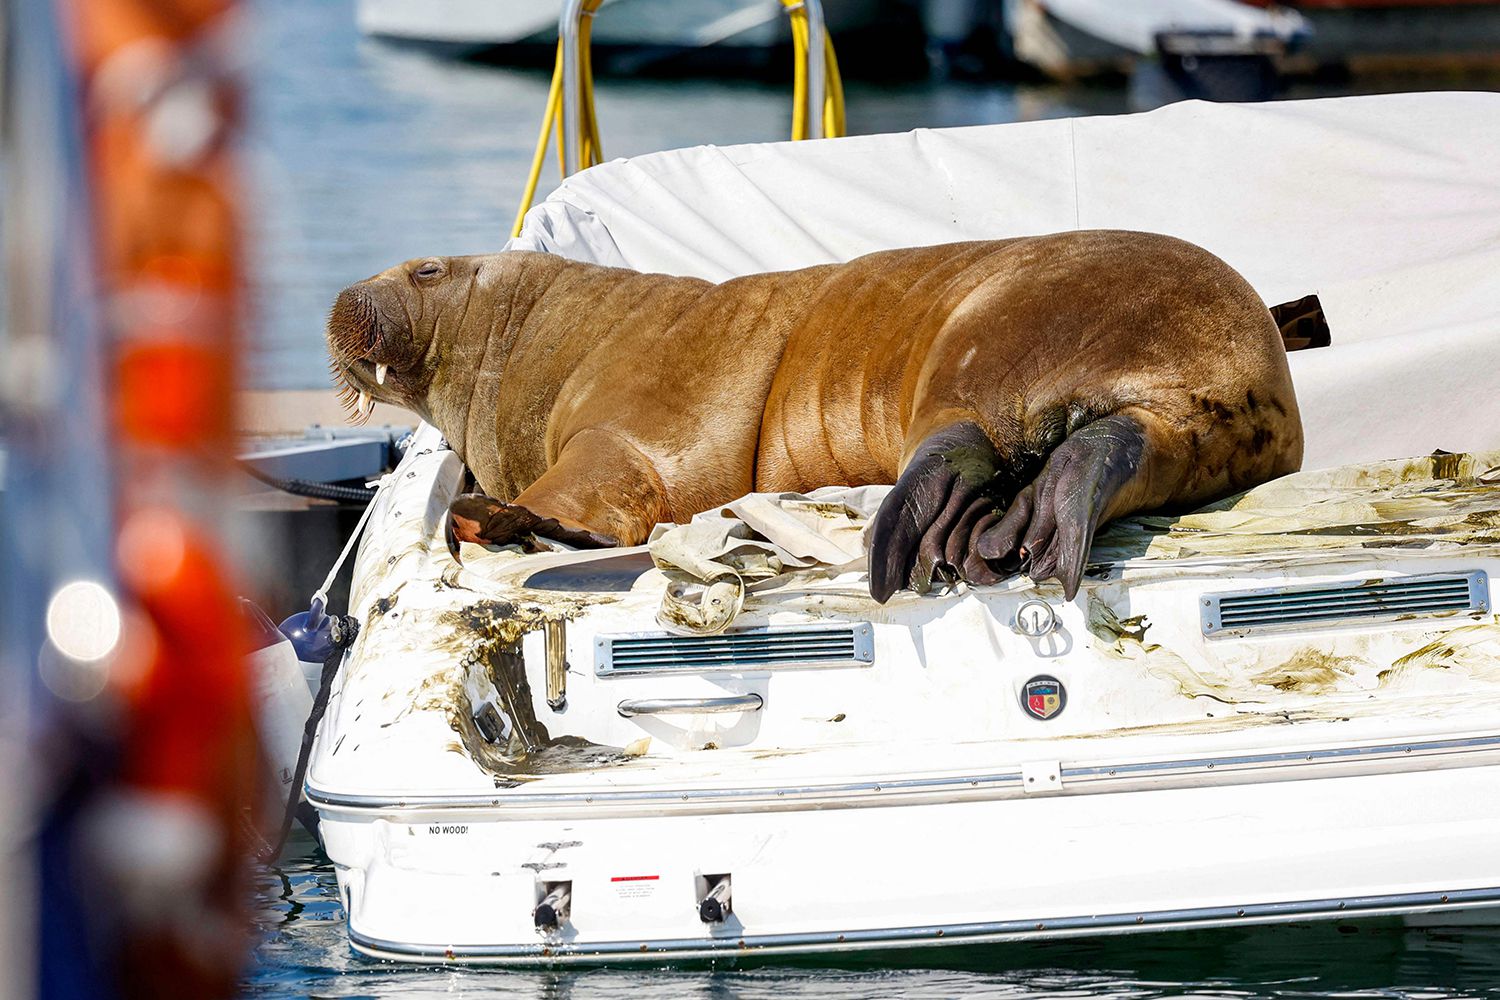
381	330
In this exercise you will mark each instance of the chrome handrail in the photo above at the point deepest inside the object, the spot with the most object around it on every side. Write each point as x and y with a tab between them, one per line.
571	135
689	706
815	43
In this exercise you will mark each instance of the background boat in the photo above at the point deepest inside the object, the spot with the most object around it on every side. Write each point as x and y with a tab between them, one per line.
1246	49
716	36
1383	35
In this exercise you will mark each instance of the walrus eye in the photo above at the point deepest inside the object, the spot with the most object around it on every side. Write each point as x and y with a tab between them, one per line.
429	269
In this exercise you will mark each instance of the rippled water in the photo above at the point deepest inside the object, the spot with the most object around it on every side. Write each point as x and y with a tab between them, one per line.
305	953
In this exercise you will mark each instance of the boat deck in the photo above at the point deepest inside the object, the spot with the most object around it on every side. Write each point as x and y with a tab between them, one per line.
936	702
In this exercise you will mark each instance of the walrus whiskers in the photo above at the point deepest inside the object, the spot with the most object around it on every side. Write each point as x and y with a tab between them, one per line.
354	333
348	395
353	325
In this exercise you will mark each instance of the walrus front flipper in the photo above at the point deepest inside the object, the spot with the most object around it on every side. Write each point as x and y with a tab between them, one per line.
474	517
1050	525
942	493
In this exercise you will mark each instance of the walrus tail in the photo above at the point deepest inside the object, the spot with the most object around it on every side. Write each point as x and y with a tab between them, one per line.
955	514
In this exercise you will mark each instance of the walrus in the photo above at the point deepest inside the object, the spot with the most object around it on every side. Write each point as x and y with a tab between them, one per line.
1018	393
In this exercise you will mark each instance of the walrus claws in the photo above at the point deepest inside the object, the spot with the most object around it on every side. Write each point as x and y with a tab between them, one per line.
917	535
474	517
1050	524
943	521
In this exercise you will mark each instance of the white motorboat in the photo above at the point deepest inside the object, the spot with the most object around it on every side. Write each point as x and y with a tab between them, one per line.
1284	707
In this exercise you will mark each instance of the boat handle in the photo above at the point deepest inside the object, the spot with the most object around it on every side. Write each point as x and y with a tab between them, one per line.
685	706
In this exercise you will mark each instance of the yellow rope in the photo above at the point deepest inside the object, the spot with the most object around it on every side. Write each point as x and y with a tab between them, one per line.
591	150
554	102
833	87
798	21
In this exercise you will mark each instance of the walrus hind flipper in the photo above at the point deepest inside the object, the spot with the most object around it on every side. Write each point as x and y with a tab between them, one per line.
949	515
922	529
474	517
1050	524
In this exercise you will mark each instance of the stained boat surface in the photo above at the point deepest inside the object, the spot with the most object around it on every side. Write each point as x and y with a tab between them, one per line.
1283	707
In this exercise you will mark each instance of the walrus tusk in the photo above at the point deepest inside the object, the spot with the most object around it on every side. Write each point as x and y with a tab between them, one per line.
380	371
366	404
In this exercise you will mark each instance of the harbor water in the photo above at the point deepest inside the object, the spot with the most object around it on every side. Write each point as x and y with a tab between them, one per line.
362	155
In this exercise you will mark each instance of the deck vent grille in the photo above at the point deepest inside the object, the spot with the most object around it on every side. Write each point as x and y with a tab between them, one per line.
752	649
1250	611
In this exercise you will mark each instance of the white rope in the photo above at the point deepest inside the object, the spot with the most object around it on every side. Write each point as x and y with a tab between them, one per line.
321	594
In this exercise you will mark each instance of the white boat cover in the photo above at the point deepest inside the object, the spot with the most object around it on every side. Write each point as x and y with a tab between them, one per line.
1387	207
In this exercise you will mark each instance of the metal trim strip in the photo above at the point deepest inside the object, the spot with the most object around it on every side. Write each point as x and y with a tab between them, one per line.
1283	758
320	797
949	934
882	791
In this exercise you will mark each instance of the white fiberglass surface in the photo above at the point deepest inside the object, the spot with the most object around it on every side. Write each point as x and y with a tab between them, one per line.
946	688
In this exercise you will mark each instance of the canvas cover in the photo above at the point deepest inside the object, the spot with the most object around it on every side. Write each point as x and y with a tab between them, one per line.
1435	500
1387	207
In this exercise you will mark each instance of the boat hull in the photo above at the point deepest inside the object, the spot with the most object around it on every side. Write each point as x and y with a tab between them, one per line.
1294	842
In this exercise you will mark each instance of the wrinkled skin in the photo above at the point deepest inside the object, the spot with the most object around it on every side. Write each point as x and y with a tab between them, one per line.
1019	393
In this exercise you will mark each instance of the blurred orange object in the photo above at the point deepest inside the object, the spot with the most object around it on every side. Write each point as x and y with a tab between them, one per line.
160	108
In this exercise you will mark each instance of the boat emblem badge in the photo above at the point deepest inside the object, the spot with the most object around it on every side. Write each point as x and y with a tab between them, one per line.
1043	697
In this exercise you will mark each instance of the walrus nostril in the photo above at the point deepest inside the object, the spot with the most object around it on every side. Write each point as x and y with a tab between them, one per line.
353	324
